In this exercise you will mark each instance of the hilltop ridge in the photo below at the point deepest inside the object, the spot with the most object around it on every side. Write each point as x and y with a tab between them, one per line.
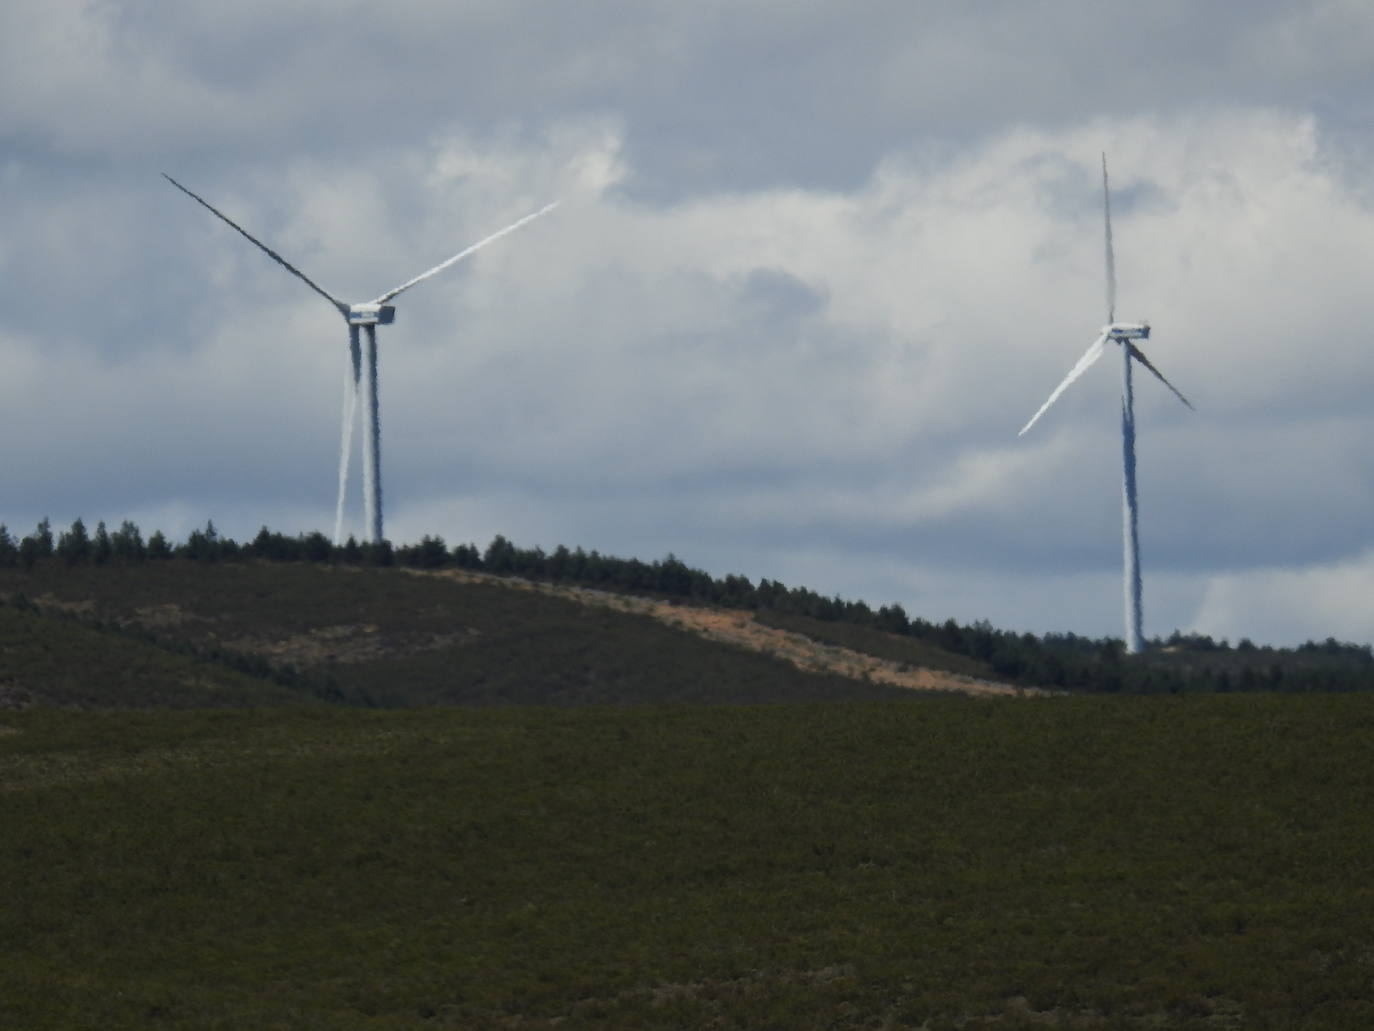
256	633
352	624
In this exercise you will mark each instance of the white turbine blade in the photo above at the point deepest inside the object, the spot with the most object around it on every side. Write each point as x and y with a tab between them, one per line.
464	253
1091	355
350	409
1139	356
1111	254
260	245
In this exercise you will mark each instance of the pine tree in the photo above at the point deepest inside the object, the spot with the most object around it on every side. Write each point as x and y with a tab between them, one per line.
433	552
158	548
43	538
499	556
317	547
127	543
74	546
101	548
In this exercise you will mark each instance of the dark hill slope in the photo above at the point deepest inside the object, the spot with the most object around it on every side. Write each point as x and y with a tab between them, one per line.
49	660
370	636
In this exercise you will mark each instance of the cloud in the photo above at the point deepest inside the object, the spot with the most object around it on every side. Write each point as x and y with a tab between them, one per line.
1290	606
719	95
812	270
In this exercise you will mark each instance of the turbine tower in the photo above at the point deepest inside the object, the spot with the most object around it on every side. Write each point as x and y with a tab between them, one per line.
1124	334
366	316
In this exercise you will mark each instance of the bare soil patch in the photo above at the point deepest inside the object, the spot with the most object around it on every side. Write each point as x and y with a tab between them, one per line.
345	643
740	628
156	616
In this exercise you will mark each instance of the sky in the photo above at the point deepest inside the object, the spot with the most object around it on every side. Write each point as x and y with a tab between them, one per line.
813	267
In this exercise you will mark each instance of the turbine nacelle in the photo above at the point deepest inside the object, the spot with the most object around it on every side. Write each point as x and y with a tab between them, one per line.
1119	331
371	314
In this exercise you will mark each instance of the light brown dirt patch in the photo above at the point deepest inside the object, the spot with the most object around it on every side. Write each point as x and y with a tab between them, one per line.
740	628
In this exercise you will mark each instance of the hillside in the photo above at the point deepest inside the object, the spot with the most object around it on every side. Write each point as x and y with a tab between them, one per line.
47	660
355	624
180	634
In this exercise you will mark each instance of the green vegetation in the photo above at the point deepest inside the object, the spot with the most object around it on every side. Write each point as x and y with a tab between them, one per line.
1130	862
48	660
262	859
1179	664
363	636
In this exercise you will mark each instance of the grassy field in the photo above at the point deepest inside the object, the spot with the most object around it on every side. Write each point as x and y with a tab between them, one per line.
1124	862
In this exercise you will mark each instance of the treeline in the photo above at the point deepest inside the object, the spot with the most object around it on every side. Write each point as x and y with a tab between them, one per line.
1180	663
80	546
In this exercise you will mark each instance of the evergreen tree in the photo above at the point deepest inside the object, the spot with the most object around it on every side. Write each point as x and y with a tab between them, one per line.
317	547
158	548
559	562
74	545
433	552
671	576
43	536
531	562
261	545
892	618
274	546
101	547
499	556
202	545
126	543
466	556
30	551
9	549
380	554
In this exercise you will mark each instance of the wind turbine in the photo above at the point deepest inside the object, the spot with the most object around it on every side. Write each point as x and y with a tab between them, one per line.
1124	334
366	316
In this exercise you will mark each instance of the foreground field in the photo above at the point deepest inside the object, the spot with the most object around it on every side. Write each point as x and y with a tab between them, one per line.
1116	863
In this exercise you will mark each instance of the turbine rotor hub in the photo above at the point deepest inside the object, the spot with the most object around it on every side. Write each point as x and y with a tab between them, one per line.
371	314
1119	331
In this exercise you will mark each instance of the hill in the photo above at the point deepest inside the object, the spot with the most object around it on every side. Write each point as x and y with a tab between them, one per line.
48	660
354	624
180	633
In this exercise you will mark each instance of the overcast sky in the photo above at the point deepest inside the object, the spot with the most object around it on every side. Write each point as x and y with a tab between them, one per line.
814	266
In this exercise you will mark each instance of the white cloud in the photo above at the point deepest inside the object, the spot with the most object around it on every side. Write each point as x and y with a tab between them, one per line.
812	270
1290	606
